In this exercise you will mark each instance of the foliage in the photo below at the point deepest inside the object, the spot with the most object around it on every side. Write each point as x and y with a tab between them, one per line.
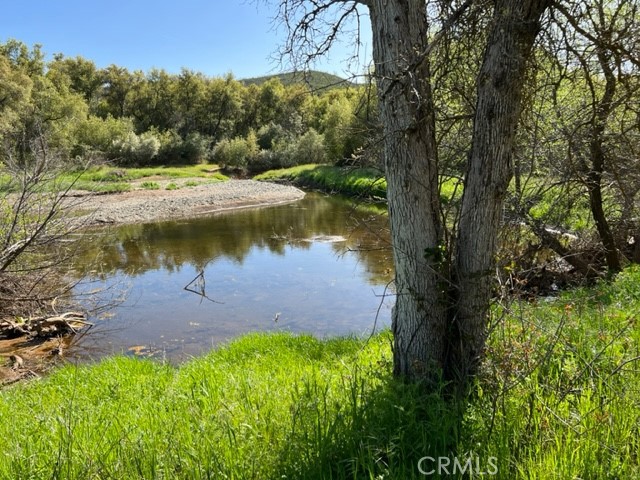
236	152
101	136
174	149
354	181
158	118
136	149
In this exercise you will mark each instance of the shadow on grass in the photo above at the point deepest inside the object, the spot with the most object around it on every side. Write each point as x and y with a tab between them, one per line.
382	432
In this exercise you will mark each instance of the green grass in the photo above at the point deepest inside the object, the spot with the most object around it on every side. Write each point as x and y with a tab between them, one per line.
559	205
109	174
112	180
357	182
148	185
559	398
365	182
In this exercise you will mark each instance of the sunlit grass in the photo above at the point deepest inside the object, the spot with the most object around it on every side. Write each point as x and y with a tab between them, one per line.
559	397
367	182
105	179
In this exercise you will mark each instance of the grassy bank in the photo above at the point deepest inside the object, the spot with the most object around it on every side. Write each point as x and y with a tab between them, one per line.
105	179
361	182
109	179
560	398
351	181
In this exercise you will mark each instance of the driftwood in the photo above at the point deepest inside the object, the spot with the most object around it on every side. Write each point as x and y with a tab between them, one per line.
44	327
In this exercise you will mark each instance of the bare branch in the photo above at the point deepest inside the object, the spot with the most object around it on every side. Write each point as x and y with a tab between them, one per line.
313	27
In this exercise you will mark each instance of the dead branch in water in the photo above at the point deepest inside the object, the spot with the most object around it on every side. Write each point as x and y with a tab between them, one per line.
199	286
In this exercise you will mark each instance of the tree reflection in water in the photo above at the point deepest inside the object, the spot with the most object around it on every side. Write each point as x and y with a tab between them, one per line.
319	263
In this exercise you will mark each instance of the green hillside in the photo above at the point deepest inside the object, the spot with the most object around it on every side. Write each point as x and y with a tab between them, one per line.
315	79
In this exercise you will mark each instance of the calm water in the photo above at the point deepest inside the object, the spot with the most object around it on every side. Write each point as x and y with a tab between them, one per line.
316	266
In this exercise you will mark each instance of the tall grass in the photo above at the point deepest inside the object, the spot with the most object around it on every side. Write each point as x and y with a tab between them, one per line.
367	182
357	182
559	398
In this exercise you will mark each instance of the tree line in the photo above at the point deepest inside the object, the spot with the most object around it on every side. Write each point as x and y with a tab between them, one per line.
158	118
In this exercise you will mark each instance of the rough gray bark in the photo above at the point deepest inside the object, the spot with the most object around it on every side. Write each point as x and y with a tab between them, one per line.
489	171
411	164
436	332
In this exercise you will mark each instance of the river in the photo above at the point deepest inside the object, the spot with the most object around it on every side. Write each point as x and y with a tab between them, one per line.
319	266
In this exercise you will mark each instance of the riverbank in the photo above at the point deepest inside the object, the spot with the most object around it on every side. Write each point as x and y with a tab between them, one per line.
560	398
356	182
365	183
158	202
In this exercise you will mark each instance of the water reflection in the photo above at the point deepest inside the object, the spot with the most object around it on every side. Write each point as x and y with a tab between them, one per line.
316	266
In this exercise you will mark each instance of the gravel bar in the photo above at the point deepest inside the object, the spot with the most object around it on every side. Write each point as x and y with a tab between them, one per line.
142	206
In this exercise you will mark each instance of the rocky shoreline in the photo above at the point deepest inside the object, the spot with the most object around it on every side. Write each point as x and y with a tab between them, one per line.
142	206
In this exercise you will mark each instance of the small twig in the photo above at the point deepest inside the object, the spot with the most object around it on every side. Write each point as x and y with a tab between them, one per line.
623	364
201	292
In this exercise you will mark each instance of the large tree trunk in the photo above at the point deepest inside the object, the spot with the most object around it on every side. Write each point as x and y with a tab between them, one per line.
437	332
489	171
411	164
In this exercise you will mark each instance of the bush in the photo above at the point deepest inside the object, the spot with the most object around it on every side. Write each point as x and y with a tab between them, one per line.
308	148
191	150
150	185
237	152
137	149
99	135
269	135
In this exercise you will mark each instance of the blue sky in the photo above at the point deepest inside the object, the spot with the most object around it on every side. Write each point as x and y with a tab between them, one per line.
210	36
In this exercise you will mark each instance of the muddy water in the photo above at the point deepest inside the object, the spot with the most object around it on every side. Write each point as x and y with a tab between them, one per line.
317	266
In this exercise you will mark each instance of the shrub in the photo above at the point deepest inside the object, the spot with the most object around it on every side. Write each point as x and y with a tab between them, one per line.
191	150
150	185
95	134
137	149
310	148
237	152
285	153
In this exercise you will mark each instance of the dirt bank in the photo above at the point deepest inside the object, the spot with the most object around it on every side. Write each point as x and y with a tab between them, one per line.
143	205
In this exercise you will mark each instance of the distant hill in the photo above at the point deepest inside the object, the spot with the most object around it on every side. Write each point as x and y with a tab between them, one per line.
316	80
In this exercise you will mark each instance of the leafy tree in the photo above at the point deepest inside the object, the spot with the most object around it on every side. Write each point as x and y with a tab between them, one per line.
82	75
190	94
29	61
15	95
336	125
443	290
118	82
222	109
